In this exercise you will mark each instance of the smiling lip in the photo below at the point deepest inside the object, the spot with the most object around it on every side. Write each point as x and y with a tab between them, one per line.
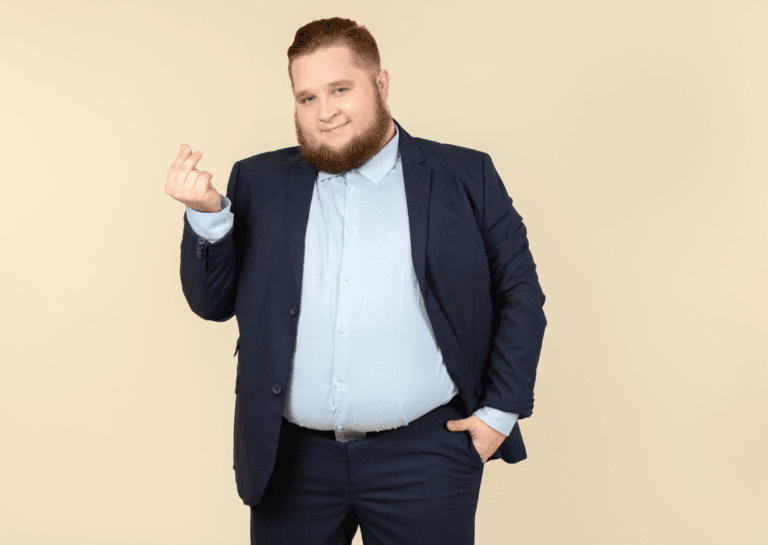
333	129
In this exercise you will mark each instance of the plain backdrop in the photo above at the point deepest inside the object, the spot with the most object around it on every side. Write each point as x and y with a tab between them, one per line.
632	137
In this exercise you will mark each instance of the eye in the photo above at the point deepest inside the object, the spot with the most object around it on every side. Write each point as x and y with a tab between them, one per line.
346	88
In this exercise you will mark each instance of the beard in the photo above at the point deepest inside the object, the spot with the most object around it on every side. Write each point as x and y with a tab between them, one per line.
356	152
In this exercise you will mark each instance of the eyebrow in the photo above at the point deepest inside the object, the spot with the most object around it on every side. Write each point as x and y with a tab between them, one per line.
332	84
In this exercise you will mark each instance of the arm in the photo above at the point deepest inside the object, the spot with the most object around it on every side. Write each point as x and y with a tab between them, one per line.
518	301
501	421
208	269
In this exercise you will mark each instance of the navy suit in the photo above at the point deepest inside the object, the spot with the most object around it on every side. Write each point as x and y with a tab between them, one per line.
477	271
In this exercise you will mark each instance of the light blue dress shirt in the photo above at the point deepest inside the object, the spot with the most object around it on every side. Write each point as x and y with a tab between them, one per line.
366	356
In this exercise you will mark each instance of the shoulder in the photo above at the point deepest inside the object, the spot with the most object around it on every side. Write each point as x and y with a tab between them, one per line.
442	156
264	164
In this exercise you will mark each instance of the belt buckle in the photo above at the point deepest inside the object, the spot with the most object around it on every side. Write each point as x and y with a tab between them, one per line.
349	435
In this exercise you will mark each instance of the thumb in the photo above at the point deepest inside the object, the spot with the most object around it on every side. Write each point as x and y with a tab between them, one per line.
456	425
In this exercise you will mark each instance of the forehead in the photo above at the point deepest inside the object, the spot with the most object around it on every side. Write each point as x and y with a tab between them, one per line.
311	73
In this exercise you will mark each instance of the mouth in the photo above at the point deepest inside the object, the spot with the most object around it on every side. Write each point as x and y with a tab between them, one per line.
337	128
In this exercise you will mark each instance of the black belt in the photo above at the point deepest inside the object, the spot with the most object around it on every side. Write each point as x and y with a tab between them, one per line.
455	402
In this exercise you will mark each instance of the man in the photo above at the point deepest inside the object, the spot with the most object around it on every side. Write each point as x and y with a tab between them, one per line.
389	311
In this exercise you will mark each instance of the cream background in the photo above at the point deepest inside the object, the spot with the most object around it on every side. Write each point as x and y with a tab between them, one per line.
631	136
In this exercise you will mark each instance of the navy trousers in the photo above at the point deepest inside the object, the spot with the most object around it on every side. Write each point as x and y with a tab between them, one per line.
416	484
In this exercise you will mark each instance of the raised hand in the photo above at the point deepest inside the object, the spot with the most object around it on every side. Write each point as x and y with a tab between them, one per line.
190	186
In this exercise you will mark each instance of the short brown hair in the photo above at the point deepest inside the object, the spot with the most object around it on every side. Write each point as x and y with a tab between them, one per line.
333	32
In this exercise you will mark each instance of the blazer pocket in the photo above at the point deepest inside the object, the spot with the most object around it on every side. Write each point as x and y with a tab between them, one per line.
455	227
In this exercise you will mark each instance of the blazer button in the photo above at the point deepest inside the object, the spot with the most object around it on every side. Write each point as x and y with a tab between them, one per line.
276	389
294	310
200	240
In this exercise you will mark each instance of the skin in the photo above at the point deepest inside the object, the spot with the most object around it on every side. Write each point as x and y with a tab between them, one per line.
362	107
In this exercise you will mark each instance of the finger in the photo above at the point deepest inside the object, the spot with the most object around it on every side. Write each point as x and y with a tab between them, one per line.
192	178
184	152
187	165
190	162
177	173
202	179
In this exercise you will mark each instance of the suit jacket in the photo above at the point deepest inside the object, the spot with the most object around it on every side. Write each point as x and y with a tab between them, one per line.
478	266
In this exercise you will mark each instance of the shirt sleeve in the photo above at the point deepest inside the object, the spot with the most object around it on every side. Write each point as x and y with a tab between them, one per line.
212	226
501	421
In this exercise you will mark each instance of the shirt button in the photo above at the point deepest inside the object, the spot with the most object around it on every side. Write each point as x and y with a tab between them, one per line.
338	385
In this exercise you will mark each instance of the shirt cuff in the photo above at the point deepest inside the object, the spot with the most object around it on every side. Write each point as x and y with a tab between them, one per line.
501	421
212	226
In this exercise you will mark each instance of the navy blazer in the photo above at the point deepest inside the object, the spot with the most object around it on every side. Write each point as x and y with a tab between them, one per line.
470	254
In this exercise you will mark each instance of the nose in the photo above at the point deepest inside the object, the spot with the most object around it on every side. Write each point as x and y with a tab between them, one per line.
328	111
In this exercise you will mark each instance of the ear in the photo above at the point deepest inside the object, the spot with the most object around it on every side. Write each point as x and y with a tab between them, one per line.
382	83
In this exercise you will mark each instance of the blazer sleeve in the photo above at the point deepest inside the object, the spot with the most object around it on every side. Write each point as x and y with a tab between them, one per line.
209	271
518	301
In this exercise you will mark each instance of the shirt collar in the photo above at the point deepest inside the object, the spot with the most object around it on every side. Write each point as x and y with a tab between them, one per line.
377	166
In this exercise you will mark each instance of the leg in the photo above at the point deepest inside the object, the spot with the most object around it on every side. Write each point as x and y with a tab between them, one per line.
418	484
306	501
